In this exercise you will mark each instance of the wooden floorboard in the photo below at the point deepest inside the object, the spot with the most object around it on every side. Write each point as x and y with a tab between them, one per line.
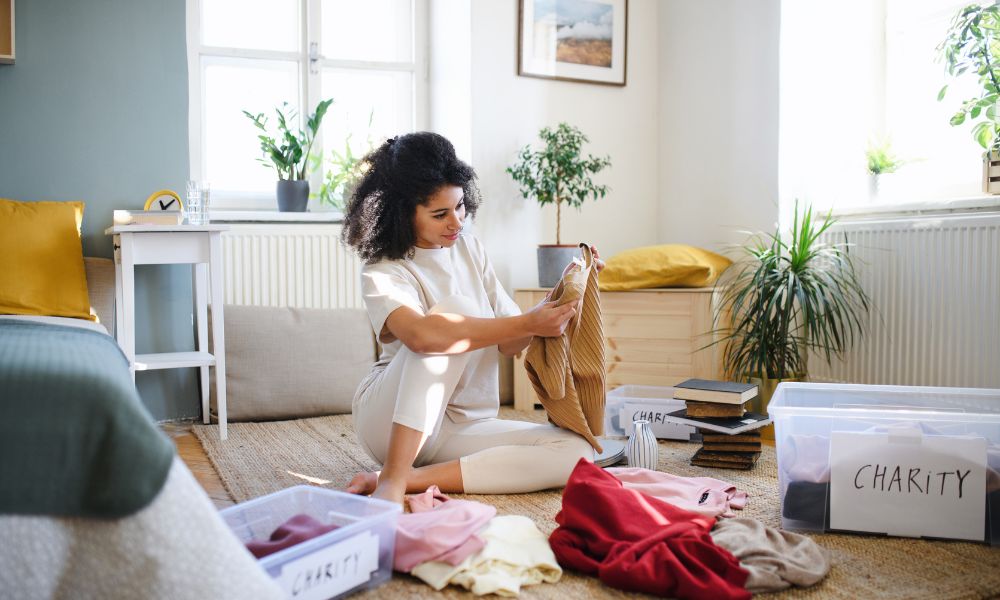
193	454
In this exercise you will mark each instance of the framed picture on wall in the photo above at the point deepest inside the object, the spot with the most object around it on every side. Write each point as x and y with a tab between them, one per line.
573	40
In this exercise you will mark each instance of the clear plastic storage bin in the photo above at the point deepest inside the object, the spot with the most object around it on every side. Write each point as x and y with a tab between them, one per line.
355	556
626	403
906	461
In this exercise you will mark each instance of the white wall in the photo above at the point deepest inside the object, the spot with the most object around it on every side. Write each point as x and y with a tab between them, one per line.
507	112
450	72
693	136
718	132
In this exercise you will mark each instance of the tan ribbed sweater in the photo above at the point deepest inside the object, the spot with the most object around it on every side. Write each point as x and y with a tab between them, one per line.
567	372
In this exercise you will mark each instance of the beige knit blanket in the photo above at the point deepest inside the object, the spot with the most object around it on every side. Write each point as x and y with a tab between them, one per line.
567	372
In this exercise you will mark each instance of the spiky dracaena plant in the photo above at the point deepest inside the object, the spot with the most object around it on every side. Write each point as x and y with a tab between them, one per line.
788	297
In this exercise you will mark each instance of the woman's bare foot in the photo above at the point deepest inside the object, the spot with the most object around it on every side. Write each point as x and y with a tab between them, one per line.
391	486
389	490
363	483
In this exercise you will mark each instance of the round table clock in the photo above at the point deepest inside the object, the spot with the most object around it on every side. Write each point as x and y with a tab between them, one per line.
164	200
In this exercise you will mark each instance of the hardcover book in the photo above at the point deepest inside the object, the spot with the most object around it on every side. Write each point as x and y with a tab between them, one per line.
713	409
706	390
748	422
743	460
736	447
752	437
147	217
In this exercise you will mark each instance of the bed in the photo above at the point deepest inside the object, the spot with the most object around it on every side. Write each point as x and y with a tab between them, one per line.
94	502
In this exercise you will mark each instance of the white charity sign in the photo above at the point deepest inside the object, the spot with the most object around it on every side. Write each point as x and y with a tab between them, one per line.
908	484
332	570
655	413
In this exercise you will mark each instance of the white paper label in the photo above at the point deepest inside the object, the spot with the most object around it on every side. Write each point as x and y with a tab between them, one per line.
654	413
909	485
331	570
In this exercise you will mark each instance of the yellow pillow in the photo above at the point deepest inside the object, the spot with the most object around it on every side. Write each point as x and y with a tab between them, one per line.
41	260
669	265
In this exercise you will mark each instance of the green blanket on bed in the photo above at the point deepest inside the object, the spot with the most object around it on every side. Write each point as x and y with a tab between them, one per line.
75	439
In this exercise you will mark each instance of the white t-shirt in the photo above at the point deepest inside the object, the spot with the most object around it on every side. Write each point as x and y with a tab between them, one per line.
423	281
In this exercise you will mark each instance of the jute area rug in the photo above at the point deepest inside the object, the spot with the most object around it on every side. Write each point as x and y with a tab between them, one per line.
260	458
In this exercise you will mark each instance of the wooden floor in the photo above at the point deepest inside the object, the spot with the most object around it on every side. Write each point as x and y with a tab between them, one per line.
193	455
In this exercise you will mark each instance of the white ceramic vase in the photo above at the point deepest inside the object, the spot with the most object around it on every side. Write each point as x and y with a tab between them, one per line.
642	449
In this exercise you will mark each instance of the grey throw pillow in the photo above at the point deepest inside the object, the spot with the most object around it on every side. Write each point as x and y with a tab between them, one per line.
287	363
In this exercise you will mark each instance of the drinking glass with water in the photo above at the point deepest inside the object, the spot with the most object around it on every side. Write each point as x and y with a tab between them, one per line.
197	203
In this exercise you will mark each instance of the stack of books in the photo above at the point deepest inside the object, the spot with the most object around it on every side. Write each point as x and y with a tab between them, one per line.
729	433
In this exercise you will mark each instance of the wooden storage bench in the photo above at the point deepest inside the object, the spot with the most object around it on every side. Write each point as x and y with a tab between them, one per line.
651	336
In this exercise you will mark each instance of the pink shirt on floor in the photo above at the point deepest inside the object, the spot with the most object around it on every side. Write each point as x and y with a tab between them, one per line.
702	495
439	529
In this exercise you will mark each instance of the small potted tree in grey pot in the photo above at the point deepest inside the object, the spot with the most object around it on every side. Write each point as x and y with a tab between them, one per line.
558	173
289	154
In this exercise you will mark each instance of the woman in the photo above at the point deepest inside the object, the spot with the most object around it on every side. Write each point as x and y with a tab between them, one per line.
428	410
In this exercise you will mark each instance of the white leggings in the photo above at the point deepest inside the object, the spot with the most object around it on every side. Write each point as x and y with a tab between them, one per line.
496	456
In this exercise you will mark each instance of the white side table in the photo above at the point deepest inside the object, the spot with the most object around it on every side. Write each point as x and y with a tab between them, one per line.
198	245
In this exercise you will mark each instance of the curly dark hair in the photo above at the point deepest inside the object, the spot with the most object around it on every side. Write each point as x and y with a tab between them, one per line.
398	175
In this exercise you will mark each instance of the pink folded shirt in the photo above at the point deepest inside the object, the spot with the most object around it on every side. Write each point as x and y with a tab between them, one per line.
439	529
703	495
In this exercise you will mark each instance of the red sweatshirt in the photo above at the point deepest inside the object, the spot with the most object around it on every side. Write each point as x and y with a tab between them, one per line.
638	543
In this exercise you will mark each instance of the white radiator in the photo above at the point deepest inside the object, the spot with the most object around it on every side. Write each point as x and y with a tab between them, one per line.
300	265
935	282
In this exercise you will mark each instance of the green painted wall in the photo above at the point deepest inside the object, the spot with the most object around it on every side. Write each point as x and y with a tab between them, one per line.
95	109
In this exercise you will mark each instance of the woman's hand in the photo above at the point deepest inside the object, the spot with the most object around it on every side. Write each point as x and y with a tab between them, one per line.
598	263
549	320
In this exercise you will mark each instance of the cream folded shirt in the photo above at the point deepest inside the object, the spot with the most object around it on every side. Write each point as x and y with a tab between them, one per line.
516	554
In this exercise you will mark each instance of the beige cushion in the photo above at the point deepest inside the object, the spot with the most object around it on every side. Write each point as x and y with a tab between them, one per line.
286	363
101	288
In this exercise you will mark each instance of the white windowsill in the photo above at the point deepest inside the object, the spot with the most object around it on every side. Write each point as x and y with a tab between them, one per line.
273	216
968	204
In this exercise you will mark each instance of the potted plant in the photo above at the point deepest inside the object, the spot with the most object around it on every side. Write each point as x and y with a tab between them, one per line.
289	154
341	173
787	297
971	46
558	173
881	161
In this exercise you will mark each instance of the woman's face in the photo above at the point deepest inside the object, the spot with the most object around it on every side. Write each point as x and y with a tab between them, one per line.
438	222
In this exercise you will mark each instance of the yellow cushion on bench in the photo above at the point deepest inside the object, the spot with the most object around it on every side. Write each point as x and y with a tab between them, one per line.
667	265
41	259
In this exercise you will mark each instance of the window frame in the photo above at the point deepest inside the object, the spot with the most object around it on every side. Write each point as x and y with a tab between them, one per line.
310	66
944	200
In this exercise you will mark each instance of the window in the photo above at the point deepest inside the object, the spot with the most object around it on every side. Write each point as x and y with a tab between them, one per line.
253	55
862	71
